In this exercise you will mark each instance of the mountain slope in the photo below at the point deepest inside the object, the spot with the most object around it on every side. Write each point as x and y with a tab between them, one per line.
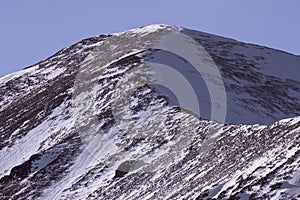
87	123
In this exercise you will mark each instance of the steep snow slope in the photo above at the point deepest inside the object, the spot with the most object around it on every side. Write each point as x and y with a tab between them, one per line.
67	132
256	79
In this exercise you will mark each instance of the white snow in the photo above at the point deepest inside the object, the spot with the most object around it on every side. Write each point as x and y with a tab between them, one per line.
144	30
30	144
102	148
15	75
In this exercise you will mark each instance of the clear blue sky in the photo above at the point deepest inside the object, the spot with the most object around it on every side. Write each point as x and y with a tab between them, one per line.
33	30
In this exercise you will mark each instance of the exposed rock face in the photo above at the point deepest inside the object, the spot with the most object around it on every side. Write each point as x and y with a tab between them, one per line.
67	133
128	166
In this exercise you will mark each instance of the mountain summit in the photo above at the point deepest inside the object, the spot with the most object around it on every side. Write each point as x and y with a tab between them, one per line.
157	112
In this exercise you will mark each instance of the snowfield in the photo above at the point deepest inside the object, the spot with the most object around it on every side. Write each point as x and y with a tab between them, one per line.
90	122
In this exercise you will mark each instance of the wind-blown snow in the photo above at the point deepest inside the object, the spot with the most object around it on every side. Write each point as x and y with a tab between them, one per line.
87	143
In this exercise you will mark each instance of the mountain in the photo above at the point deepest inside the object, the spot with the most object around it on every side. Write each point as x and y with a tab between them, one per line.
157	112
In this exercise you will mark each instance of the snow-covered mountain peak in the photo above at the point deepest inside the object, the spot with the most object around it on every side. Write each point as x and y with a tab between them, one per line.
152	28
90	122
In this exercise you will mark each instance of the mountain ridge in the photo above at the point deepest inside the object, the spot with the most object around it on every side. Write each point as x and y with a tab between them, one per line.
212	34
68	133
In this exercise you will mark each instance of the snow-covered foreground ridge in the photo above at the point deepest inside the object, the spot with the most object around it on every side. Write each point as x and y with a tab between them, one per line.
88	122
